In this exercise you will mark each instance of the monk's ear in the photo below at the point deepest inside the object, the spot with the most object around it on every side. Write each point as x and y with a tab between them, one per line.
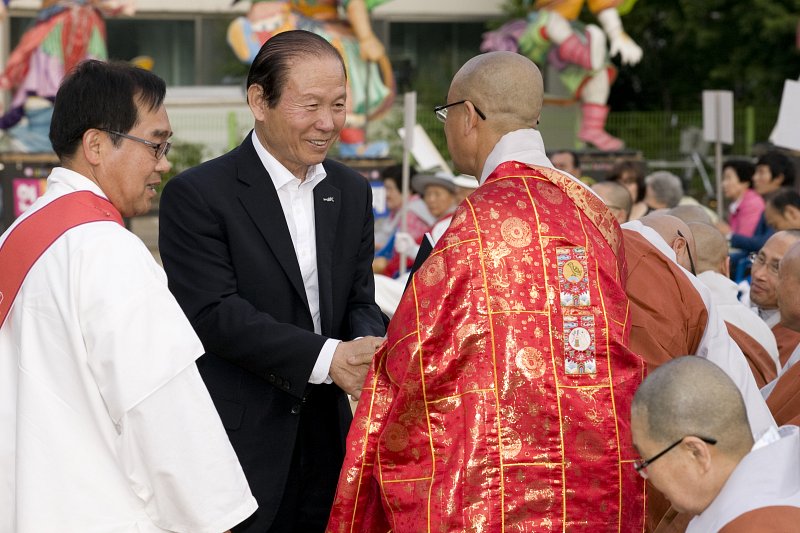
699	452
471	118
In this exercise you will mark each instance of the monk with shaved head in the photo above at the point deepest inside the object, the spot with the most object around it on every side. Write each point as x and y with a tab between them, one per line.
691	429
749	332
616	197
499	400
690	213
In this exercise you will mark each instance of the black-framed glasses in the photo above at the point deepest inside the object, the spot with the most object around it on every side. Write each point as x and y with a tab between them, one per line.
160	149
688	251
441	110
641	466
760	260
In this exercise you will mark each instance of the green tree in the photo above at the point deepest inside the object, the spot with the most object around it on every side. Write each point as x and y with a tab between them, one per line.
695	45
689	46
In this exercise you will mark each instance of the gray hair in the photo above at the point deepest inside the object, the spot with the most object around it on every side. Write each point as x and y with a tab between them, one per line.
666	187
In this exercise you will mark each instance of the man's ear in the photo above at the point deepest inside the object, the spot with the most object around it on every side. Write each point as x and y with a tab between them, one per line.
255	99
471	118
679	244
700	453
92	145
792	215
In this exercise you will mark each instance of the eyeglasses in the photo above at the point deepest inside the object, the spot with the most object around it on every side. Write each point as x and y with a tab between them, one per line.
641	466
759	260
688	252
160	149
441	110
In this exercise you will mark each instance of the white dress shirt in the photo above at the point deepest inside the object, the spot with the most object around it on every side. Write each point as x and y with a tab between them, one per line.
297	202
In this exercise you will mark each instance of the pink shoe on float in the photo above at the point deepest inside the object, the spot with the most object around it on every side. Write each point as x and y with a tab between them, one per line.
593	131
588	53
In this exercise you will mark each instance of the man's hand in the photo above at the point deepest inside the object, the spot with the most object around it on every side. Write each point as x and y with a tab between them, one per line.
350	363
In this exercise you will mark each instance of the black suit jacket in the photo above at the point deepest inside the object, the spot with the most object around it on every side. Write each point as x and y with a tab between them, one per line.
231	265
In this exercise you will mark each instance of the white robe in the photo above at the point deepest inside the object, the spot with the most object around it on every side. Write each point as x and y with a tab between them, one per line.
105	423
767	476
717	345
724	291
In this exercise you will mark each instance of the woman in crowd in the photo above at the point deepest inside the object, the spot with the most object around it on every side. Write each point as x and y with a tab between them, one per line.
746	204
630	174
419	221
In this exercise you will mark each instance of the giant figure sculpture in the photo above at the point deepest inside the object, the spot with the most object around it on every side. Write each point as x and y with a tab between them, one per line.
370	83
552	34
65	33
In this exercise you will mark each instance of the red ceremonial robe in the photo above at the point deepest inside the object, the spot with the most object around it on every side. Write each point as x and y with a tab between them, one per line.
501	398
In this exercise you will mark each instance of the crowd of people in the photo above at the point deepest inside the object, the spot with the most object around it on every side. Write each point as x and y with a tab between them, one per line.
561	358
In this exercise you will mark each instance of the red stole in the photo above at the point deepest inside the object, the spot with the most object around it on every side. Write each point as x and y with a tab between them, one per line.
501	398
31	237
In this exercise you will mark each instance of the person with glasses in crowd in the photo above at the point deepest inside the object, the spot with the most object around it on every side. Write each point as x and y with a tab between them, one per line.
691	429
105	423
750	332
765	285
673	314
616	198
492	403
269	251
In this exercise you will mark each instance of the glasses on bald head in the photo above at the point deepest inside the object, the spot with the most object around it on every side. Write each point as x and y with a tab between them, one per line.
759	260
641	466
688	252
441	110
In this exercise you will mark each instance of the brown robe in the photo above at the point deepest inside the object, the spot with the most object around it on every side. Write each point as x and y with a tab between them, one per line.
776	519
784	401
668	319
761	363
668	315
787	339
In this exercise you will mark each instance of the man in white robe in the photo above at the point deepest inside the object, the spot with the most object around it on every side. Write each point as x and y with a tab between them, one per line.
689	424
105	423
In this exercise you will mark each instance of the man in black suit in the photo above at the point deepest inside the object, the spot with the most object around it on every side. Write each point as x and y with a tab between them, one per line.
268	249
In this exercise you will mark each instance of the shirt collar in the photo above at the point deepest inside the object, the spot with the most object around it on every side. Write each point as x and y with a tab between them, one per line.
279	174
525	146
74	180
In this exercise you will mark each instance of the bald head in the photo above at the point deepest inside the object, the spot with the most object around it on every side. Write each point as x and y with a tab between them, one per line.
616	197
690	213
669	227
506	86
712	248
692	396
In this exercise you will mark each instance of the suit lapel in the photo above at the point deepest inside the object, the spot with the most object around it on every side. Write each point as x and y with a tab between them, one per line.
260	199
327	205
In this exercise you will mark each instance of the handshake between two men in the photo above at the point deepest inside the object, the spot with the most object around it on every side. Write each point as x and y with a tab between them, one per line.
351	362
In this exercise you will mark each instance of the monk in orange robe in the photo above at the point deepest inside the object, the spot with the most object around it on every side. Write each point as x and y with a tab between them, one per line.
671	318
500	398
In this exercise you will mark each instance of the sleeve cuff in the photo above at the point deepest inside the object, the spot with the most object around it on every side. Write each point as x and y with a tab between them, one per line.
319	374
